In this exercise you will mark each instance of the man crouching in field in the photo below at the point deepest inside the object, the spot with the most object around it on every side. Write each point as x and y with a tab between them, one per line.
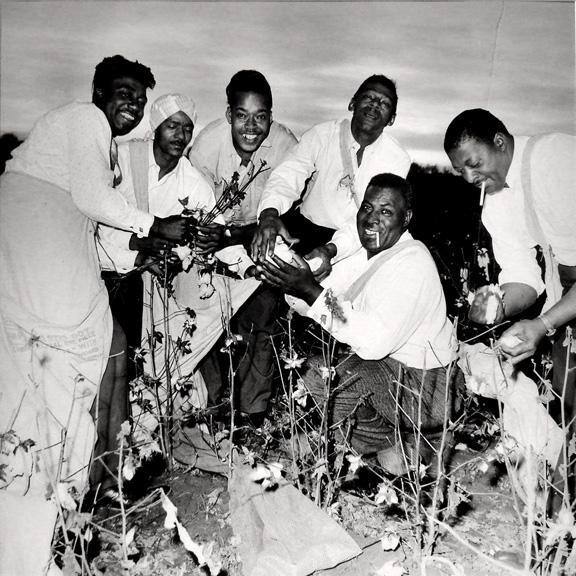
386	302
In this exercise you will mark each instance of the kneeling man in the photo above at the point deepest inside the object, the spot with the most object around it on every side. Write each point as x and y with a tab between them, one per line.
386	302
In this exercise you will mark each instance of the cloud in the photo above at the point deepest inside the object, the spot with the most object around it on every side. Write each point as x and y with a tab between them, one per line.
516	59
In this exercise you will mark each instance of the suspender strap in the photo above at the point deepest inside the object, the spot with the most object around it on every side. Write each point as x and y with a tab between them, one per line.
348	176
377	261
139	167
551	278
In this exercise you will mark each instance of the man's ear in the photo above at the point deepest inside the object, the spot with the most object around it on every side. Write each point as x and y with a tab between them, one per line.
407	218
392	119
351	105
229	115
500	141
97	95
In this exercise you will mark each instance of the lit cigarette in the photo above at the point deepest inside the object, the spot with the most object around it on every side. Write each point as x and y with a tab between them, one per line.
482	188
377	239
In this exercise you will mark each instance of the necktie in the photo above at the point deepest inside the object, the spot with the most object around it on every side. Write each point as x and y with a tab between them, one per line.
114	166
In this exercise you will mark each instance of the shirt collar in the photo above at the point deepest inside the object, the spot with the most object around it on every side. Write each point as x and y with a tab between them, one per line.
354	146
513	177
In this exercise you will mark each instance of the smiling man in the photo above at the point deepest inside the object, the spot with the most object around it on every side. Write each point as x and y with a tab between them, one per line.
238	144
340	157
386	302
530	186
55	323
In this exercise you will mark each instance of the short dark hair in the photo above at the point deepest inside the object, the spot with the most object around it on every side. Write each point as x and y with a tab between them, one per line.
248	81
394	182
113	67
478	124
379	79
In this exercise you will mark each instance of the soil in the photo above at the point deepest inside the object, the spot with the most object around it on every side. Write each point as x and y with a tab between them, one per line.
487	522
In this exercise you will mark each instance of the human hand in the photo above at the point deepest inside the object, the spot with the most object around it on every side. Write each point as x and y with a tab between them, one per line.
151	245
269	227
210	237
521	340
294	278
250	272
320	260
173	228
166	267
487	306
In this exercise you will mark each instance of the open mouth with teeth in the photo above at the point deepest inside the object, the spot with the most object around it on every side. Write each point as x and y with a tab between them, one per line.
128	116
251	137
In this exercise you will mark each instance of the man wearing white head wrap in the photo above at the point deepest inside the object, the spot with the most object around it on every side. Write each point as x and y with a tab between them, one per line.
169	104
158	176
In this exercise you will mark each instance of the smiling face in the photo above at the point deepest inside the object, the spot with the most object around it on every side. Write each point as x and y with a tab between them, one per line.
250	119
373	109
478	162
173	135
382	218
123	102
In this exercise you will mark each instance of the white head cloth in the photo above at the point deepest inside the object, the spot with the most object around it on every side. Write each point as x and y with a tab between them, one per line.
169	104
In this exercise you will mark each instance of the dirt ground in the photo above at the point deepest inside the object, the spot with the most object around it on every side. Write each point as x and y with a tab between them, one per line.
487	522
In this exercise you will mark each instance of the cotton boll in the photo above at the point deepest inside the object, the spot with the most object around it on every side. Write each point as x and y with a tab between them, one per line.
314	263
282	251
509	340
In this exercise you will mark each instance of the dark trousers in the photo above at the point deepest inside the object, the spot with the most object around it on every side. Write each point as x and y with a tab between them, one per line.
310	235
373	400
564	376
253	358
126	302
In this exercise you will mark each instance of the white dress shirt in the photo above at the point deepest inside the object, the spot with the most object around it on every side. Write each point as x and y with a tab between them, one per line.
213	153
553	178
400	312
164	196
328	201
70	148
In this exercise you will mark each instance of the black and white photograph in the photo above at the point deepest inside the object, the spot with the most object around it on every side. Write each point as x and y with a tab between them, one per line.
287	288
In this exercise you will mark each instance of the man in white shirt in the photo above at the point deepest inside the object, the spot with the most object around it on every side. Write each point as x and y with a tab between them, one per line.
530	201
340	157
55	323
386	302
158	178
238	144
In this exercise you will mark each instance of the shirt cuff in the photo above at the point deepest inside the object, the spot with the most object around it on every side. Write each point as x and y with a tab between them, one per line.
143	224
271	203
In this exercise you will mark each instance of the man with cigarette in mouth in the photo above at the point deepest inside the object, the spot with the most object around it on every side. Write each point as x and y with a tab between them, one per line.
386	302
339	157
530	200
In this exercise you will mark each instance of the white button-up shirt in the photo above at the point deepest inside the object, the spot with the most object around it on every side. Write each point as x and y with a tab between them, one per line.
70	148
213	153
164	196
553	182
399	312
328	201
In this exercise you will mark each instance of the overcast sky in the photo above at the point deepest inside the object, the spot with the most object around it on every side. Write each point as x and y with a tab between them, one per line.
513	58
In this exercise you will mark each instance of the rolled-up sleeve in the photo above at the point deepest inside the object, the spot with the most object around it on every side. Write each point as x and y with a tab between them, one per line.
91	178
346	240
513	252
285	184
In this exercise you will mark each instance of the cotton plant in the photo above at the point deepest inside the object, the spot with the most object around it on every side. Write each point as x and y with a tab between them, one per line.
17	460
